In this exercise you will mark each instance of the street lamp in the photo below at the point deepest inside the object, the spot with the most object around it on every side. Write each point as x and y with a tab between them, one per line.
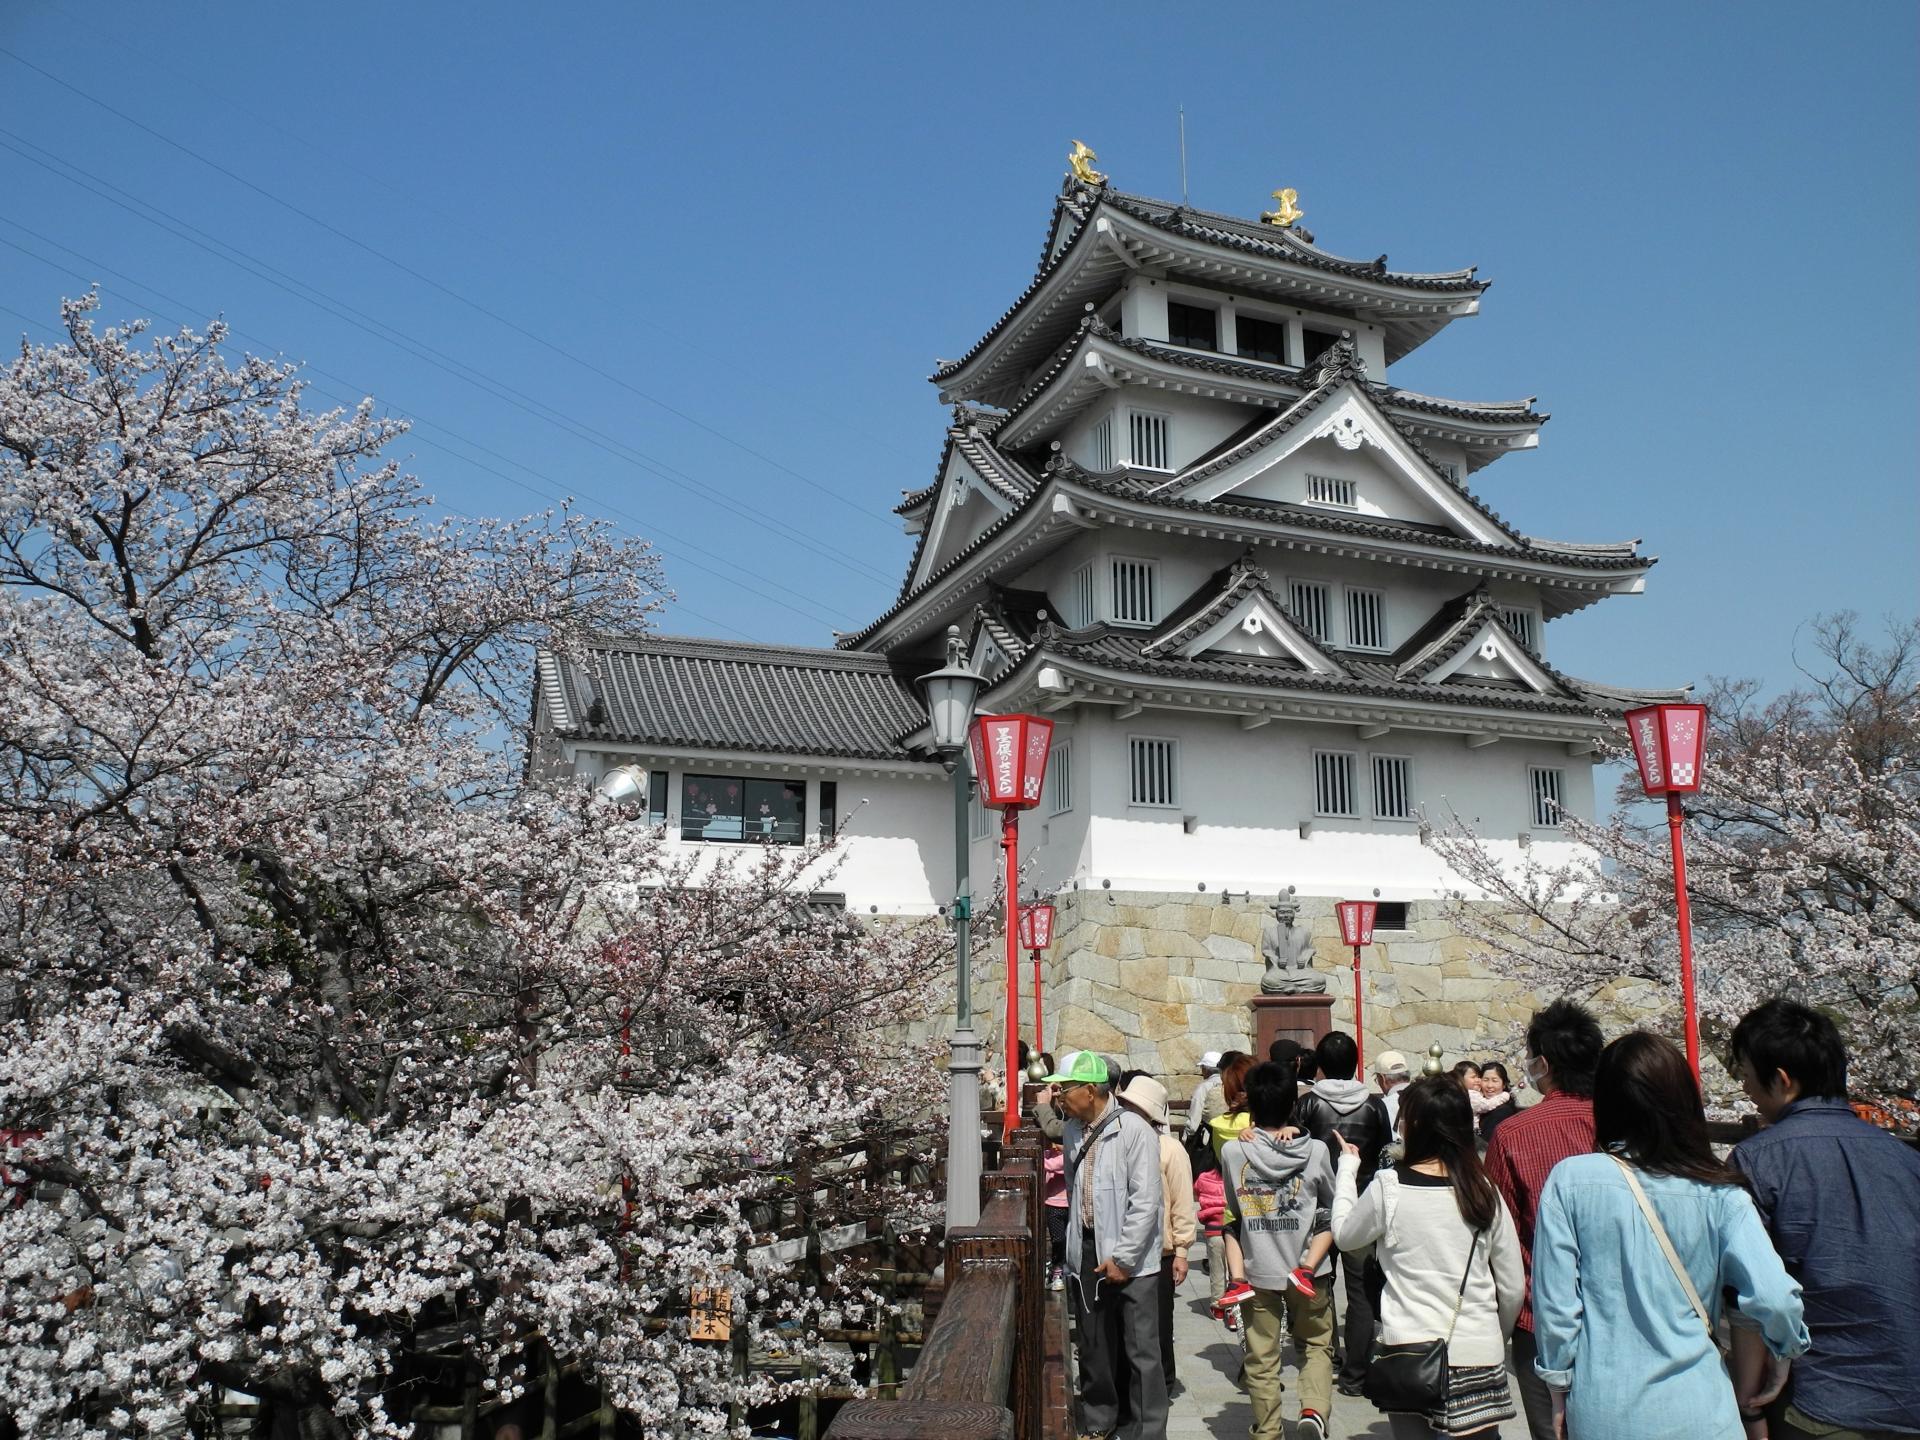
1356	929
623	785
1669	746
1036	934
951	693
1010	763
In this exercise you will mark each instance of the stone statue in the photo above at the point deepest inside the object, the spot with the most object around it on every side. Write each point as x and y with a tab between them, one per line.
1289	953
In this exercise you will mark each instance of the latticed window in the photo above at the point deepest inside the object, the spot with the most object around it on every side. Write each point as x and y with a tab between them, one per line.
1135	597
1311	610
1329	490
1100	444
1392	787
1549	792
1366	619
1332	783
978	827
1060	780
1153	771
1080	607
1149	434
1520	622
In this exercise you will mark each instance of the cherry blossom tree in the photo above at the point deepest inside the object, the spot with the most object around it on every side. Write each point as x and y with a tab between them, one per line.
329	1043
1803	860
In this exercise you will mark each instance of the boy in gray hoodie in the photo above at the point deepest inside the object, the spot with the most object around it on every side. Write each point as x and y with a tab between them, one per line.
1279	1208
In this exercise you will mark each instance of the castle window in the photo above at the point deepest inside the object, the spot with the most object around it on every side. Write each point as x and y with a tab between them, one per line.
829	812
1080	605
1333	783
1149	435
1136	599
1519	620
1392	787
1317	343
657	799
1311	607
1261	339
1549	791
1193	326
1390	915
977	827
1060	780
1153	776
1100	444
1327	490
740	811
1366	619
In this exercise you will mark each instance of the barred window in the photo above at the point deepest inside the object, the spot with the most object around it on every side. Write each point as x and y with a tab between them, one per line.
1549	792
1367	619
1329	490
1081	609
1149	434
1519	620
1392	787
1135	597
978	821
1153	771
1060	780
1309	603
1332	783
1100	444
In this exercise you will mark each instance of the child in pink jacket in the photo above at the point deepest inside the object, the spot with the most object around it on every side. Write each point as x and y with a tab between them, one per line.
1055	1166
1210	1200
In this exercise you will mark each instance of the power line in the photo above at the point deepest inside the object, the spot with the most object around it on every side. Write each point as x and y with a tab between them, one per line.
798	600
419	349
447	290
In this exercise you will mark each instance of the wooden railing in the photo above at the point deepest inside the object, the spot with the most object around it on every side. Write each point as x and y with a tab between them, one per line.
993	1366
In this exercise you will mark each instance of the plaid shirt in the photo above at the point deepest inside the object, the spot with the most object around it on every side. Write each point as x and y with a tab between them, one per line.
1523	1150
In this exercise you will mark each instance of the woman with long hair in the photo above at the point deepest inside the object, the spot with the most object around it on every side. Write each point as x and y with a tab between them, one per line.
1633	1250
1448	1251
1234	1066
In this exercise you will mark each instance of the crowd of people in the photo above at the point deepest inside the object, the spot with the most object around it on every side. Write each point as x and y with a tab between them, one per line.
1585	1261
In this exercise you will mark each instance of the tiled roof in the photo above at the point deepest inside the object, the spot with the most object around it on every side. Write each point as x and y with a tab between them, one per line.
1366	676
1214	600
719	695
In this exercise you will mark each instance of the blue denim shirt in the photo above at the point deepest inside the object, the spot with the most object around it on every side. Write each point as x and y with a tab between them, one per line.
1842	1202
1612	1324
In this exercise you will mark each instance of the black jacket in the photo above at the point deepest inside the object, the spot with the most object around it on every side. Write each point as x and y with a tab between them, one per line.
1356	1112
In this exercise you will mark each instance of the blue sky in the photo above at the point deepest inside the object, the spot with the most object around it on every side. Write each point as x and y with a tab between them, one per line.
691	265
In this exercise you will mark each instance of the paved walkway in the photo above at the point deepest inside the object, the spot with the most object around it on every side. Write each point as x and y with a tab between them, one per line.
1212	1406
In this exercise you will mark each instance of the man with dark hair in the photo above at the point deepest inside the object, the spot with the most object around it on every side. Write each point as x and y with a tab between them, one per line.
1339	1101
1563	1048
1279	1206
1841	1199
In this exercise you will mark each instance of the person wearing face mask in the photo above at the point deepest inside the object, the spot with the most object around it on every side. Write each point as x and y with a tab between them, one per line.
1563	1048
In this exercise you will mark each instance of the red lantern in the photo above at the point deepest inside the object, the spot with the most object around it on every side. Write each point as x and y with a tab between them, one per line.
1356	929
1010	759
1036	927
1669	744
1669	747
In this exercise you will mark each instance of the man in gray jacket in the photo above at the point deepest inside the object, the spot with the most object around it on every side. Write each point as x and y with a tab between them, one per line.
1113	1249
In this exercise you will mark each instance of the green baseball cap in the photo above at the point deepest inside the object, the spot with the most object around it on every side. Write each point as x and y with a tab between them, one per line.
1079	1067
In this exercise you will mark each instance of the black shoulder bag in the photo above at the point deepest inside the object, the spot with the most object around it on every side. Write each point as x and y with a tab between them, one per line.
1413	1376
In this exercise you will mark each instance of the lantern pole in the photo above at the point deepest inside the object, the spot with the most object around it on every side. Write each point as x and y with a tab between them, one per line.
1676	817
1359	1020
1010	843
1039	1033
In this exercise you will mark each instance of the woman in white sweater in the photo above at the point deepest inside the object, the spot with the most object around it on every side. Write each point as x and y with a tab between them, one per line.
1432	1218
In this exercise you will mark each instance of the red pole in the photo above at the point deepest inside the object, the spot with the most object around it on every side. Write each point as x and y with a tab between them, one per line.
1039	1034
1010	842
1675	817
1359	1026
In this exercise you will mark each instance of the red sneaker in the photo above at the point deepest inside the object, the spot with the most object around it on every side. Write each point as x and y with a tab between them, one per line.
1302	1281
1231	1300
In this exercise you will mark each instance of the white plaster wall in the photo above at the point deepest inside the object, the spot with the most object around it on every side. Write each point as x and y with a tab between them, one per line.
1249	791
1383	491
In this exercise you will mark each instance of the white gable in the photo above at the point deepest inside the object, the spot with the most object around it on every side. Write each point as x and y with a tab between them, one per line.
1493	654
1348	436
1255	628
962	507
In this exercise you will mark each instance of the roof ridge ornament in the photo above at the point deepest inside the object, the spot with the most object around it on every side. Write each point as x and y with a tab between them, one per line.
1080	165
1288	212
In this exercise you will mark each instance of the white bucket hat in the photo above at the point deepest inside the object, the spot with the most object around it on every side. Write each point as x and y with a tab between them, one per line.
1147	1095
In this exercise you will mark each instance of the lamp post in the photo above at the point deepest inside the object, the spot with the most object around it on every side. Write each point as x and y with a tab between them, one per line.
1356	929
1036	934
1669	747
951	693
1010	763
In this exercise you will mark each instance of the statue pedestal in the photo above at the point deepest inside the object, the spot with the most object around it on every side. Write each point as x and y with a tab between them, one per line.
1301	1018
